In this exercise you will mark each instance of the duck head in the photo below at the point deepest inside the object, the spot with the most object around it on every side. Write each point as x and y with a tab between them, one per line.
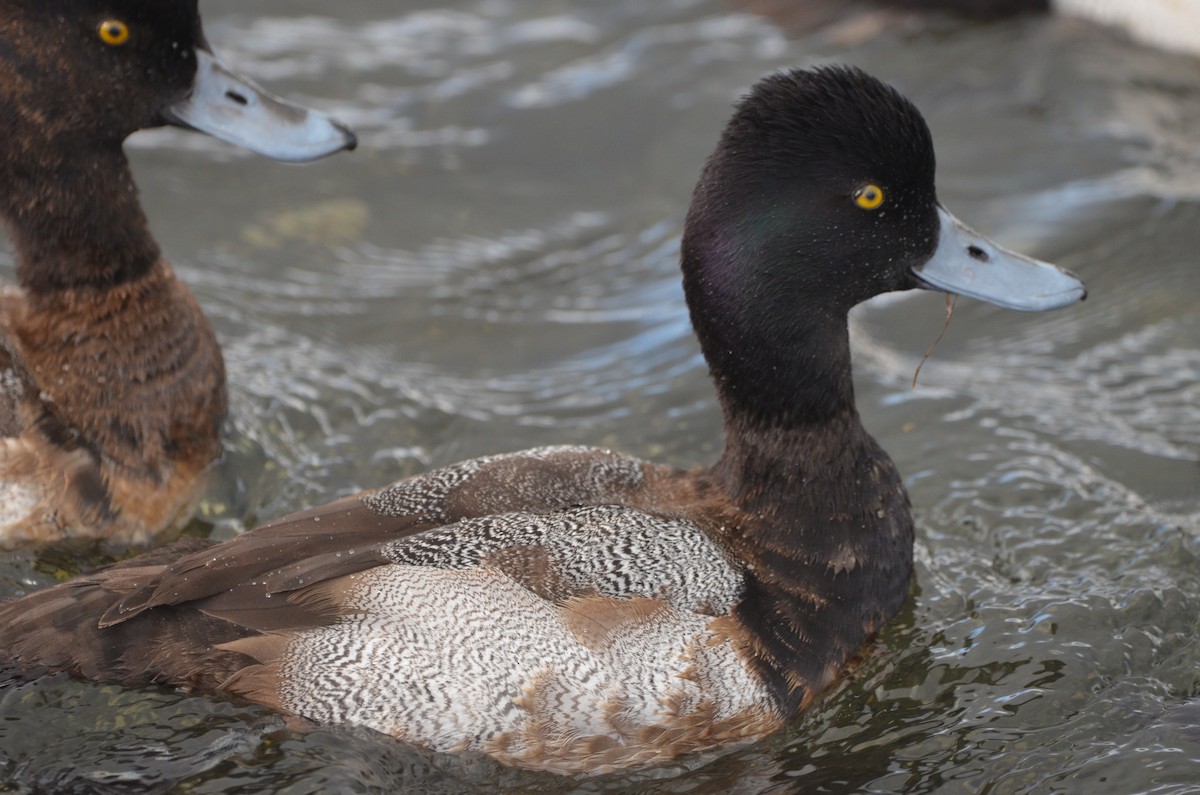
820	195
93	72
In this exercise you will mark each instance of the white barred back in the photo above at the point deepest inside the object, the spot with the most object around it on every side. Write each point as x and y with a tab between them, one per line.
472	660
608	550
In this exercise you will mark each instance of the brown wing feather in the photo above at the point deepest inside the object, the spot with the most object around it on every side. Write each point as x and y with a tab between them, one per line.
258	609
288	543
302	548
178	615
194	644
56	629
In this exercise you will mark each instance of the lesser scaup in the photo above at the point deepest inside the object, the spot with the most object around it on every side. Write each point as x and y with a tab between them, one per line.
575	609
112	387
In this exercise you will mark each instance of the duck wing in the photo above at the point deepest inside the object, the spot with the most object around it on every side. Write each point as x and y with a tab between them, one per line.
569	564
342	537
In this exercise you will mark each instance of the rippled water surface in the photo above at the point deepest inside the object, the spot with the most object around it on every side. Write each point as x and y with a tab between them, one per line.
496	268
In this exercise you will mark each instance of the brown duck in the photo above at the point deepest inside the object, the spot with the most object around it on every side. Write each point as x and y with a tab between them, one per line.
579	610
112	387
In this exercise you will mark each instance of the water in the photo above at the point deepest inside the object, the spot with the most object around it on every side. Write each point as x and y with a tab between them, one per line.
496	268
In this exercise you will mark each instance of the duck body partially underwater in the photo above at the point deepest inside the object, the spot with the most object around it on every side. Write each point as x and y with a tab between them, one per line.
579	610
112	386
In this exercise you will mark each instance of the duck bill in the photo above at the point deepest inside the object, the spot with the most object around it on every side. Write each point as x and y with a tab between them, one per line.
230	107
967	263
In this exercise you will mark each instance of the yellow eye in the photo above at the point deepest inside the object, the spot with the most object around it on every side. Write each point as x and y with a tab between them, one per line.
869	197
114	32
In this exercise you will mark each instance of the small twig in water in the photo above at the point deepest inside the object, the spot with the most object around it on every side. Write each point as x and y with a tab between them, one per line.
951	300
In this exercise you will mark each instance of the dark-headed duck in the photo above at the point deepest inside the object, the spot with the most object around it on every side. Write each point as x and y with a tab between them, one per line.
579	610
112	387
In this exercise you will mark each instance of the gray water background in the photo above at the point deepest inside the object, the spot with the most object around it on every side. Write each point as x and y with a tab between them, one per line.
497	268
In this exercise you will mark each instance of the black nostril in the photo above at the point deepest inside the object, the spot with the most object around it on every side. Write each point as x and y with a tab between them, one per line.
977	253
236	97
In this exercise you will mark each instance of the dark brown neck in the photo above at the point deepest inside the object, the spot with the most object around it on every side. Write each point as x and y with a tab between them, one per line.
72	211
826	535
770	467
127	365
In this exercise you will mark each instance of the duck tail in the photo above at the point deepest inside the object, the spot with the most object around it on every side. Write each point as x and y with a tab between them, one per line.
60	629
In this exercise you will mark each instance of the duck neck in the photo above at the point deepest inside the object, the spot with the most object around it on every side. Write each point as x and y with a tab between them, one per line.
788	408
140	382
73	215
823	522
795	447
771	469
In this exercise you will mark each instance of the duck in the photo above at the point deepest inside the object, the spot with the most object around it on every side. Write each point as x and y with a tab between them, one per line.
579	610
112	385
1169	25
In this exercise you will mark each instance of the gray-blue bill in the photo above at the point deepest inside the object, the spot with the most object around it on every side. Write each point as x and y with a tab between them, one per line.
232	108
967	263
